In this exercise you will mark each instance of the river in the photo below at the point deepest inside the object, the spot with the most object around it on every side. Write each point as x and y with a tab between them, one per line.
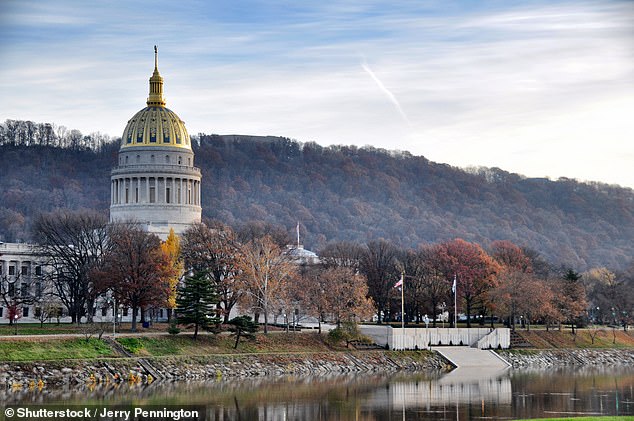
459	395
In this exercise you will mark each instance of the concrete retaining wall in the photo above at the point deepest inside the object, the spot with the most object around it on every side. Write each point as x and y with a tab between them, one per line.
422	338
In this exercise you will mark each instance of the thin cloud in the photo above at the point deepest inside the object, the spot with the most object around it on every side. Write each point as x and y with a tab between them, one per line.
386	91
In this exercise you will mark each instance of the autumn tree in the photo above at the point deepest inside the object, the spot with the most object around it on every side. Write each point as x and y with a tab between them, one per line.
570	297
214	249
380	264
342	254
196	301
12	296
474	270
265	274
611	295
426	287
135	269
254	230
73	243
514	278
171	249
334	293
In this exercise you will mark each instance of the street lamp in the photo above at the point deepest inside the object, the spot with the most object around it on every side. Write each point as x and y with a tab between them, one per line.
15	323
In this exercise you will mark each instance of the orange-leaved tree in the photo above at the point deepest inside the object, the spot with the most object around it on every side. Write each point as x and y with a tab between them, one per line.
474	270
171	249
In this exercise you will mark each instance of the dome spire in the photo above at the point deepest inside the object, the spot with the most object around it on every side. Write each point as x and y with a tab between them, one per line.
156	85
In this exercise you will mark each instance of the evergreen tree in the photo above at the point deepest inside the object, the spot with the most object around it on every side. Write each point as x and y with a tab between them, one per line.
196	302
242	326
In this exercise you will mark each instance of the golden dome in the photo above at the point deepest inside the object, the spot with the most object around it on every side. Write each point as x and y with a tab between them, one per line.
155	125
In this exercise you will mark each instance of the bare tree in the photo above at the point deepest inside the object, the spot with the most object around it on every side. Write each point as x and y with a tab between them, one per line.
380	265
265	275
214	249
73	243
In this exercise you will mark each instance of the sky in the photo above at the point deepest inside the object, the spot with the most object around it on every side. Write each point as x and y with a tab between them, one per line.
543	88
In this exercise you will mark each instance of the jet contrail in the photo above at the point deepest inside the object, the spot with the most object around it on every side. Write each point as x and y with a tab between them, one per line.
386	91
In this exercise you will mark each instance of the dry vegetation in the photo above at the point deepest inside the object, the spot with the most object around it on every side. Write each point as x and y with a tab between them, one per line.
603	338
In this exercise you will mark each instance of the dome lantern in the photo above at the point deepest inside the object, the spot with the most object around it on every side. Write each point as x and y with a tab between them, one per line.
156	85
155	125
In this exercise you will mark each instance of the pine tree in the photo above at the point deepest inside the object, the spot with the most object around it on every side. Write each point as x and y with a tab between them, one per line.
196	302
242	327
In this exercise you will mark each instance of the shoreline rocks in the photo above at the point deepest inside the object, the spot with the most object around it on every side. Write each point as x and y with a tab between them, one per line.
23	375
543	358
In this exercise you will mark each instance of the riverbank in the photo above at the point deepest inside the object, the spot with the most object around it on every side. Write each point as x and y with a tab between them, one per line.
39	374
544	358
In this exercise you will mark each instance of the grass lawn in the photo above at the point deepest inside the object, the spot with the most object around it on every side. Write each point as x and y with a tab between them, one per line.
184	344
608	418
53	328
58	349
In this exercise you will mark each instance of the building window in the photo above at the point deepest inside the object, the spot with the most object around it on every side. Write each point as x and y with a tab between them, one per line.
167	195
125	312
25	312
38	270
161	313
37	312
127	194
104	311
24	271
24	290
11	289
152	195
136	195
1	311
11	270
180	160
38	289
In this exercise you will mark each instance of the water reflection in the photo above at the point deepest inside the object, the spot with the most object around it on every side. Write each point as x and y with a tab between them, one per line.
458	395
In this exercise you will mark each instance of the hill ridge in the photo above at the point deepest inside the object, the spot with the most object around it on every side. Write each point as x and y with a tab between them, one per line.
346	193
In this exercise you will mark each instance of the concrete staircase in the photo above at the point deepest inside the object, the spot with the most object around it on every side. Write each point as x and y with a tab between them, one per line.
518	341
464	357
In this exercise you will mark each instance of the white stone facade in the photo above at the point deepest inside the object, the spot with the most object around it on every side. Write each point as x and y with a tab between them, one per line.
156	187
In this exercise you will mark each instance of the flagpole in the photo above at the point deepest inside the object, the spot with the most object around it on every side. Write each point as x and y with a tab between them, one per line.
403	303
455	302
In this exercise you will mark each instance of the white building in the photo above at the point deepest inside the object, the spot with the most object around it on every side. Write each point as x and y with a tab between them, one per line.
155	182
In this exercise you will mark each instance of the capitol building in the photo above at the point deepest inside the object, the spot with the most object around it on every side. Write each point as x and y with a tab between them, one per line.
156	183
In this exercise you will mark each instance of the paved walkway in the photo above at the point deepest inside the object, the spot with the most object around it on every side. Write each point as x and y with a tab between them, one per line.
464	356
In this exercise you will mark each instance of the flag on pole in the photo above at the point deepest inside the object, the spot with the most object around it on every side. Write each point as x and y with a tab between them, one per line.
399	283
453	287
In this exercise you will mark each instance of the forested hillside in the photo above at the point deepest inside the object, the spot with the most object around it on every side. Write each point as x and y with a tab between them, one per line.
342	193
